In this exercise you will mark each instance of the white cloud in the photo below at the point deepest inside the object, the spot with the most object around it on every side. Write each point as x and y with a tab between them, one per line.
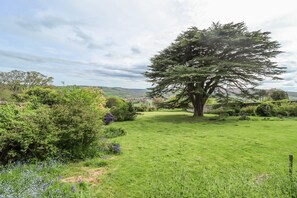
123	35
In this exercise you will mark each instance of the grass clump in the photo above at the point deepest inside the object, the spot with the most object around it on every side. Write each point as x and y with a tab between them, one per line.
112	132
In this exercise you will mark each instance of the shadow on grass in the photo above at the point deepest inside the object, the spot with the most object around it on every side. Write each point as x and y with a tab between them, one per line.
186	118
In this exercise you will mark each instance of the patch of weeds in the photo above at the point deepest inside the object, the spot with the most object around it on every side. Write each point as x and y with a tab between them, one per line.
243	117
111	148
101	164
112	132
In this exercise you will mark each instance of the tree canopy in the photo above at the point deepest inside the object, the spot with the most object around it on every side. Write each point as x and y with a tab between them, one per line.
277	94
15	79
221	58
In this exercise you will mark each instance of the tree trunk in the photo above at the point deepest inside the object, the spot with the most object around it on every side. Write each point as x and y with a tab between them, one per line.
198	107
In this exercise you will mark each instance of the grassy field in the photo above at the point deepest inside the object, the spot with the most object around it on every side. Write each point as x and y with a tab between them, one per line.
171	154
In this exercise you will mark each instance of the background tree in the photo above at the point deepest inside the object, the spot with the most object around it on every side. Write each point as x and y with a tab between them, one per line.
277	94
221	58
13	82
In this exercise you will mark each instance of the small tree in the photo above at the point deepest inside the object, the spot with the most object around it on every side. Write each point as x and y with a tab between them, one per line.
277	94
15	79
221	58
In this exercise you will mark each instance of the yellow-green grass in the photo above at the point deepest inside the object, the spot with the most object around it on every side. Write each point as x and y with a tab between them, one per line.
172	154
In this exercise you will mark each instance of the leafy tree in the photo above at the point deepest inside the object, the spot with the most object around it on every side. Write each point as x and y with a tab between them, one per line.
260	94
277	94
158	102
15	79
114	101
217	59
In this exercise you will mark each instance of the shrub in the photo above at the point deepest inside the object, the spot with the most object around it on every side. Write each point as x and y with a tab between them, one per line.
108	118
78	128
26	133
141	108
110	147
144	108
277	94
222	111
158	102
69	127
249	110
112	132
40	95
124	112
264	109
244	117
114	102
285	108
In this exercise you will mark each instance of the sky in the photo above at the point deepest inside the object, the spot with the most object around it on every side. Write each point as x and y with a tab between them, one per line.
110	42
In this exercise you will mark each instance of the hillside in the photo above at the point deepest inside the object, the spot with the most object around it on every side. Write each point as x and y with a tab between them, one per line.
139	93
124	92
292	95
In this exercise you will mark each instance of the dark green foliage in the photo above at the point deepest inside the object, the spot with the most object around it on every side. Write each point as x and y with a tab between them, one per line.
124	112
277	94
110	147
120	109
78	126
26	133
285	108
223	111
249	110
112	132
114	148
201	62
108	118
66	125
264	109
40	95
244	117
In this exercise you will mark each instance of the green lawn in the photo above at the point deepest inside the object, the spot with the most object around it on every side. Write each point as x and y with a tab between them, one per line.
171	154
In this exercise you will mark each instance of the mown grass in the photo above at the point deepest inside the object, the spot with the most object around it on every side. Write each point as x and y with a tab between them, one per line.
172	154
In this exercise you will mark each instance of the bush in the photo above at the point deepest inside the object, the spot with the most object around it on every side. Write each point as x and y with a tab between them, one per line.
114	102
244	117
26	133
38	130
222	111
140	108
265	109
112	132
285	108
145	108
40	95
124	112
110	147
277	94
108	118
249	110
78	129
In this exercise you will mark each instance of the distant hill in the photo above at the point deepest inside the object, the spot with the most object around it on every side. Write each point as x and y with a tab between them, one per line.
292	95
124	92
140	93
